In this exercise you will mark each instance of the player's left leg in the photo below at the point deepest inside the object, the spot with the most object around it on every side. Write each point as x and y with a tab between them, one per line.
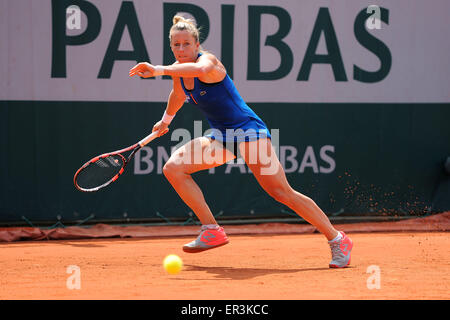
263	162
199	154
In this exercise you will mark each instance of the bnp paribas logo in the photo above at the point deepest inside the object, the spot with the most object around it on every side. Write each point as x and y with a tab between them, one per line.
73	18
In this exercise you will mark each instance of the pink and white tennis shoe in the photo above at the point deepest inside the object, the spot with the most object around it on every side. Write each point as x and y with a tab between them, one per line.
209	238
341	251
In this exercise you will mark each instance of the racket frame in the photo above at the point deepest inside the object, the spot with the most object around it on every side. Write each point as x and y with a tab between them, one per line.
134	148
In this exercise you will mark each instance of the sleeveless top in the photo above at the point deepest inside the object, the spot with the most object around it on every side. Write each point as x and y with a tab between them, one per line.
230	118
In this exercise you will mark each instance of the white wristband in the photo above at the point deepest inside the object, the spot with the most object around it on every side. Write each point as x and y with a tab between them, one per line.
167	118
159	71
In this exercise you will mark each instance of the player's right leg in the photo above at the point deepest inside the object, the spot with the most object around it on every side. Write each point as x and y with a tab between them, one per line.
262	160
199	154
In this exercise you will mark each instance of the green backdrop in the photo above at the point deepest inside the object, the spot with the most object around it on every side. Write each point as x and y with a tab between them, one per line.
388	161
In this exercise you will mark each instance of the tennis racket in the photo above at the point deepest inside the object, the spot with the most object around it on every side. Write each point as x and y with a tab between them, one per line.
104	169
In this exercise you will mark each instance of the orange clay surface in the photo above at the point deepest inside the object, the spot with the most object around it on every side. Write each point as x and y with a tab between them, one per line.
275	267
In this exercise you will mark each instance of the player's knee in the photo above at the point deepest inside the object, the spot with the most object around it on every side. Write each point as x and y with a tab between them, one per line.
171	169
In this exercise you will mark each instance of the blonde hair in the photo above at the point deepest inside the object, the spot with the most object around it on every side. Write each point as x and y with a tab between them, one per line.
181	23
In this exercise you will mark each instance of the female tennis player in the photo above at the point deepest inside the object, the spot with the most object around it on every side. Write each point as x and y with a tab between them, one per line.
201	79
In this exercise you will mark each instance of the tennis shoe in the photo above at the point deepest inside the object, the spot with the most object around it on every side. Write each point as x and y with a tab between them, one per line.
341	251
207	239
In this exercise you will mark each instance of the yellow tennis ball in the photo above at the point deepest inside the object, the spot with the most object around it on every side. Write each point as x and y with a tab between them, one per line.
172	264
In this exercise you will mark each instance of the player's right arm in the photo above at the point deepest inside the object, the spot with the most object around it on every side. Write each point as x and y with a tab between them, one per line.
174	103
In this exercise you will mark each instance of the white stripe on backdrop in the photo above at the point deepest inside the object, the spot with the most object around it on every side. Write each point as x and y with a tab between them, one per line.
416	38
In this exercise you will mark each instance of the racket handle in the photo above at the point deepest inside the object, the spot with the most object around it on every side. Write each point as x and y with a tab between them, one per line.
148	138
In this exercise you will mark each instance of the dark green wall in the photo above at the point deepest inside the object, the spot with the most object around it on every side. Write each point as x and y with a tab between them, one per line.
389	160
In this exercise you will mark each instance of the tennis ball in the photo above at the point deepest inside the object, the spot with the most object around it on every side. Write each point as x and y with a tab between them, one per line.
172	264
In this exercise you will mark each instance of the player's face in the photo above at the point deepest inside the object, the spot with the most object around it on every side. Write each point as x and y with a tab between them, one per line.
184	46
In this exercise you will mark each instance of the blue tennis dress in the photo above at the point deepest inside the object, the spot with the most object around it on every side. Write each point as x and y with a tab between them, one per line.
230	118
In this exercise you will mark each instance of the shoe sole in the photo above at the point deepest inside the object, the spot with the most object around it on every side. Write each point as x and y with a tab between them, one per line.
335	266
196	250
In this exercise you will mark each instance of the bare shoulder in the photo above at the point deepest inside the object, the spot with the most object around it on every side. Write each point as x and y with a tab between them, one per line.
217	69
207	56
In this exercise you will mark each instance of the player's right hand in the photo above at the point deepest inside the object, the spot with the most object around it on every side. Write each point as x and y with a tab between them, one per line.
162	127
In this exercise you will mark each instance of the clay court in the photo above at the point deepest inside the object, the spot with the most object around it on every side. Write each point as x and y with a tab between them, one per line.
270	261
127	126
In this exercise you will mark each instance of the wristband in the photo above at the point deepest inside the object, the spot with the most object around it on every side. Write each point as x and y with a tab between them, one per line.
159	71
167	119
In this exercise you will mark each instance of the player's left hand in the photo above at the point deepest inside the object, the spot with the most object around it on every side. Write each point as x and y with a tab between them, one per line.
143	69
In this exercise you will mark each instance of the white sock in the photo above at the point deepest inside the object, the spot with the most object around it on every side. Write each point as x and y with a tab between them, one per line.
210	226
338	237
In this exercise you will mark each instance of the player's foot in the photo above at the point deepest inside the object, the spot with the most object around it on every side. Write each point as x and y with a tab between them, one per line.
341	251
208	239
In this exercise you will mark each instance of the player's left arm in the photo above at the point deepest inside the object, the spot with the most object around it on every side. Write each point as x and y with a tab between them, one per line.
205	64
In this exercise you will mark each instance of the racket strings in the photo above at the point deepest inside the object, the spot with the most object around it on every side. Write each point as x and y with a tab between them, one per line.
97	173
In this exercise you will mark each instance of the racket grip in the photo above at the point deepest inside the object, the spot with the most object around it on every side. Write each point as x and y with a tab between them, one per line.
148	138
